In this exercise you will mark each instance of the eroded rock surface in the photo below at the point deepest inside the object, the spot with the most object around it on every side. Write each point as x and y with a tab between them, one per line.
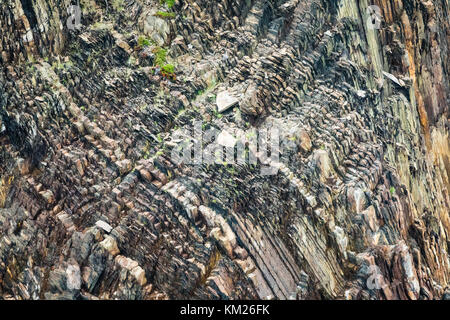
93	205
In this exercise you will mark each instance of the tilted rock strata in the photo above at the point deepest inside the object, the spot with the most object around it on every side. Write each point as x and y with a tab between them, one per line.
94	207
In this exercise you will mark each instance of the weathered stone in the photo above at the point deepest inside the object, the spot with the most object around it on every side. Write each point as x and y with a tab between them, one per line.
103	225
354	207
224	101
110	245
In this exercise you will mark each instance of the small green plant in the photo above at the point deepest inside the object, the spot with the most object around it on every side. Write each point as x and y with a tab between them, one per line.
216	113
169	3
165	15
168	68
392	190
160	56
144	42
168	71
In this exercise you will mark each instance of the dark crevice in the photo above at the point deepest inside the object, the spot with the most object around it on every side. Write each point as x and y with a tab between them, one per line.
29	12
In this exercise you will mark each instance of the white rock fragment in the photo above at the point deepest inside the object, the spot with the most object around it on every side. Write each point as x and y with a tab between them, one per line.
73	277
28	37
390	76
225	101
226	139
361	93
110	244
103	225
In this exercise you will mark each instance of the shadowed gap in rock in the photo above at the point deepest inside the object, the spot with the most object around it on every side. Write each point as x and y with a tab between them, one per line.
29	12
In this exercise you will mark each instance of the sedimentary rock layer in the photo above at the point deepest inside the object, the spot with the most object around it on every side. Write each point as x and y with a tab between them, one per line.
94	206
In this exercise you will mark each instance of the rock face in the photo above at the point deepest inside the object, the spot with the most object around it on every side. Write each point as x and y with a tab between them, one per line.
92	205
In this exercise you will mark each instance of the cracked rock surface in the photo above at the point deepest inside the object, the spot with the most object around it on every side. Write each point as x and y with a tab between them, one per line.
93	205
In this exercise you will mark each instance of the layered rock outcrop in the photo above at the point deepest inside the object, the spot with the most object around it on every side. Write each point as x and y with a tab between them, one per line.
93	204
